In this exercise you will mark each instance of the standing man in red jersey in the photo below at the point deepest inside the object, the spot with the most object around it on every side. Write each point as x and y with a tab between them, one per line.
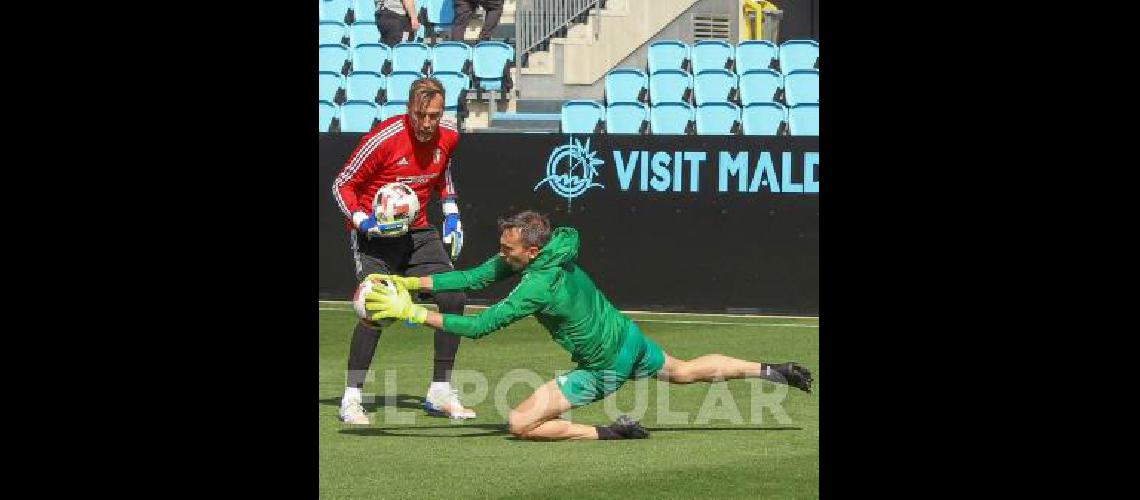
415	149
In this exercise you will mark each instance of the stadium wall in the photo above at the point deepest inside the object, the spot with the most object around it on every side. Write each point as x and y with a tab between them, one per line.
686	223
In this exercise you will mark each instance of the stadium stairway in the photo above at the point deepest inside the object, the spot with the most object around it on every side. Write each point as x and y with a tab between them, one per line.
573	64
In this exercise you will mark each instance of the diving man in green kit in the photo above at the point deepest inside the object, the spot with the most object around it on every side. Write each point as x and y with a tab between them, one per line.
607	346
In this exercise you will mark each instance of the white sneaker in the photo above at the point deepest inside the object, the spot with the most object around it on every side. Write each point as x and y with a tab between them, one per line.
446	404
352	412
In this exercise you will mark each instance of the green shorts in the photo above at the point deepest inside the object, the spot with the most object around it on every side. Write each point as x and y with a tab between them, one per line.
639	357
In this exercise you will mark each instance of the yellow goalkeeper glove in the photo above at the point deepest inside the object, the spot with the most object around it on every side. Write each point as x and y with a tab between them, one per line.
408	282
399	306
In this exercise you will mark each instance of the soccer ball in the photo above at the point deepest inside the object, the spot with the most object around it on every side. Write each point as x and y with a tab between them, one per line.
395	206
379	285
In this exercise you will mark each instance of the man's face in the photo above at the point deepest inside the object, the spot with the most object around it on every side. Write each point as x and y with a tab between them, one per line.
425	116
512	249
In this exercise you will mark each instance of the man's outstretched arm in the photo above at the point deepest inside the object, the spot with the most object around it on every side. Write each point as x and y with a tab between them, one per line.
528	298
474	279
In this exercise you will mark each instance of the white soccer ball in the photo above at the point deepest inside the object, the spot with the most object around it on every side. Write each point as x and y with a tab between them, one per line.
379	285
395	206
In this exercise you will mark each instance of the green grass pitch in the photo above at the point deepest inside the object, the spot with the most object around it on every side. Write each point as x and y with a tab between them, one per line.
726	440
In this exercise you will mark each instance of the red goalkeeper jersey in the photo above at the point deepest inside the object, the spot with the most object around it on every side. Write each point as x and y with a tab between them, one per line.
391	153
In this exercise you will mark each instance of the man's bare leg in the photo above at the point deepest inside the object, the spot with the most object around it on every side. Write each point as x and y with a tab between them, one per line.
717	367
537	418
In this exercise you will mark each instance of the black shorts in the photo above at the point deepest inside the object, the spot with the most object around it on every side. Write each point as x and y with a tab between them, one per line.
418	253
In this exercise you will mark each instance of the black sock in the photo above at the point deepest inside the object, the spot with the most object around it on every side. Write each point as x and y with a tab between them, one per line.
605	432
360	353
771	372
445	347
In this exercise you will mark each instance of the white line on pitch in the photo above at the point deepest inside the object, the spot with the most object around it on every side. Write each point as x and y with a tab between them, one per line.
345	302
671	321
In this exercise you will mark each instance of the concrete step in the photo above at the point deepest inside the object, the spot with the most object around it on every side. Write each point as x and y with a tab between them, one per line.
540	106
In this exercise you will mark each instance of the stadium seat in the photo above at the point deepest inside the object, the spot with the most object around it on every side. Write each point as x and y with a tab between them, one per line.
627	118
491	60
364	11
670	85
800	86
357	116
330	85
581	116
451	57
333	58
360	32
327	112
364	86
667	54
370	57
763	118
332	33
670	118
755	54
803	119
714	85
711	54
760	85
454	84
626	85
334	10
393	108
410	56
399	84
798	54
717	118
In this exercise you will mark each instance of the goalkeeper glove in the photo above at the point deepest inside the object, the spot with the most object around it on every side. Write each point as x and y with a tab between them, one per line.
408	282
398	306
365	223
452	228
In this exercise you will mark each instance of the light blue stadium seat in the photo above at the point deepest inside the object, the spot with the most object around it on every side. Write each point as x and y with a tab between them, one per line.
711	54
332	32
364	11
364	86
800	86
670	85
581	116
410	56
755	54
798	54
626	118
332	58
329	84
453	86
490	61
714	85
357	116
370	57
803	119
450	57
763	118
393	108
327	111
399	84
760	85
626	85
717	118
334	10
670	118
667	54
363	32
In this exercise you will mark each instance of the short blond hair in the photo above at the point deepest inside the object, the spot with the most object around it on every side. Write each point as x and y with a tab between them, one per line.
423	90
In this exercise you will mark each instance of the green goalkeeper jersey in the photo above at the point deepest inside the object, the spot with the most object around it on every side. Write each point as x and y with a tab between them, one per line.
552	288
